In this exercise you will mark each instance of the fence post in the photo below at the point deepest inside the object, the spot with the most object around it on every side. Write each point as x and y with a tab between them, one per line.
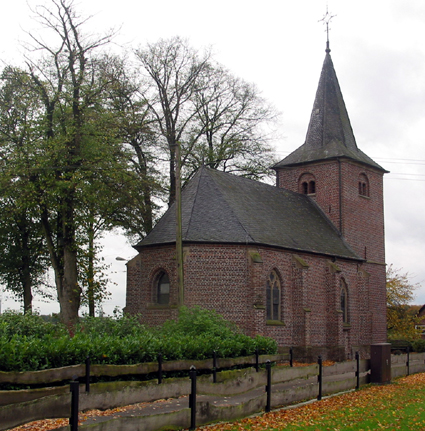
159	368
257	360
357	371
192	398
320	377
75	389
269	384
408	360
214	366
88	374
291	357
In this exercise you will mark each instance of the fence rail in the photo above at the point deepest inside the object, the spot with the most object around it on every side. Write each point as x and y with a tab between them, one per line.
55	375
285	385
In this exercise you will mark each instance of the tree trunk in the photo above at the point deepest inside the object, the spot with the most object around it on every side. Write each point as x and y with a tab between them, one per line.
27	292
64	263
90	271
25	266
172	196
69	294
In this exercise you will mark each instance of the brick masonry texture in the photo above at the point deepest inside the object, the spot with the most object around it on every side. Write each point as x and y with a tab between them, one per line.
360	220
227	279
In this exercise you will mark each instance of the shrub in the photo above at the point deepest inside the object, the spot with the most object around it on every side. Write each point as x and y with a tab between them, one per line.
27	325
28	343
122	326
418	346
196	321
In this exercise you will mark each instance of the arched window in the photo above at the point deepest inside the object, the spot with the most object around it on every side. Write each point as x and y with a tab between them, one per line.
273	296
344	301
307	184
363	185
163	288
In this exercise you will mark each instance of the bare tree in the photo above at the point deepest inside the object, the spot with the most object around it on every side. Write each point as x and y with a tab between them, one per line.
173	70
215	118
231	126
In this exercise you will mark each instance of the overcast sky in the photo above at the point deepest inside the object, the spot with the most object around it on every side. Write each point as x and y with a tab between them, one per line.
378	50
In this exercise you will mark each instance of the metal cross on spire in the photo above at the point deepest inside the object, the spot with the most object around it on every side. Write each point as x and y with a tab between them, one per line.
326	20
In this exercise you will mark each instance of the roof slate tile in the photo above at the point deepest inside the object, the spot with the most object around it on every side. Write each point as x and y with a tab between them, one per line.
218	207
329	134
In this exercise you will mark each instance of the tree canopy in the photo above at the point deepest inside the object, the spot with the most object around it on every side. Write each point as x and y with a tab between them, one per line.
215	118
401	317
88	143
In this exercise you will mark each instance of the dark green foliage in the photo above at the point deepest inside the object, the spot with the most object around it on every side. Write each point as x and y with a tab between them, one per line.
196	320
401	345
418	346
14	323
29	343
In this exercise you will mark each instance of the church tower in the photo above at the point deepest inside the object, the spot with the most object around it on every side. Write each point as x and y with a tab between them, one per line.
332	170
346	184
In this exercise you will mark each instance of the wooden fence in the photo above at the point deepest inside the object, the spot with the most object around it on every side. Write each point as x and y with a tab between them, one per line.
245	386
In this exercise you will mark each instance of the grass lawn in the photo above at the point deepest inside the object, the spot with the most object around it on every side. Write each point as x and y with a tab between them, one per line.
398	406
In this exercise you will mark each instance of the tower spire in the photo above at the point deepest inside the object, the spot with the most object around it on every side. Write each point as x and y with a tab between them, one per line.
329	133
326	21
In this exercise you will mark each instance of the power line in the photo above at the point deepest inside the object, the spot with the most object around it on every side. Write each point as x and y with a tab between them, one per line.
419	162
397	159
386	159
405	173
405	179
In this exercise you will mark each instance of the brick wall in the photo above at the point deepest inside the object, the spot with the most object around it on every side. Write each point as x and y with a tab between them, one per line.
231	279
360	219
228	279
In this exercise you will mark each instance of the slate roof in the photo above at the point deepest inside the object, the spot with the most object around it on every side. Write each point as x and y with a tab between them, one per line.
329	134
218	207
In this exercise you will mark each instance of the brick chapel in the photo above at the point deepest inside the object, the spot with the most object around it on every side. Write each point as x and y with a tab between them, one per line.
302	262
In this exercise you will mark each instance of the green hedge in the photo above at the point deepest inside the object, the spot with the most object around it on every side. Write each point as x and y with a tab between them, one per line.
29	343
418	346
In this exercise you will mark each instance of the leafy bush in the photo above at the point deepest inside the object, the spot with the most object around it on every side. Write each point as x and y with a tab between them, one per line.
196	321
27	325
119	327
29	343
418	346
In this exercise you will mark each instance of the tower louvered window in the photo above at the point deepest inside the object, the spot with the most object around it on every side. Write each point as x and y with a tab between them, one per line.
363	185
307	184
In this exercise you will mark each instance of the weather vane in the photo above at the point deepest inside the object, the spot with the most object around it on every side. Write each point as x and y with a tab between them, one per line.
326	20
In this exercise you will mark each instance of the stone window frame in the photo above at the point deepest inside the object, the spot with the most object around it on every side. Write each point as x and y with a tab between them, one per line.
363	185
273	293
